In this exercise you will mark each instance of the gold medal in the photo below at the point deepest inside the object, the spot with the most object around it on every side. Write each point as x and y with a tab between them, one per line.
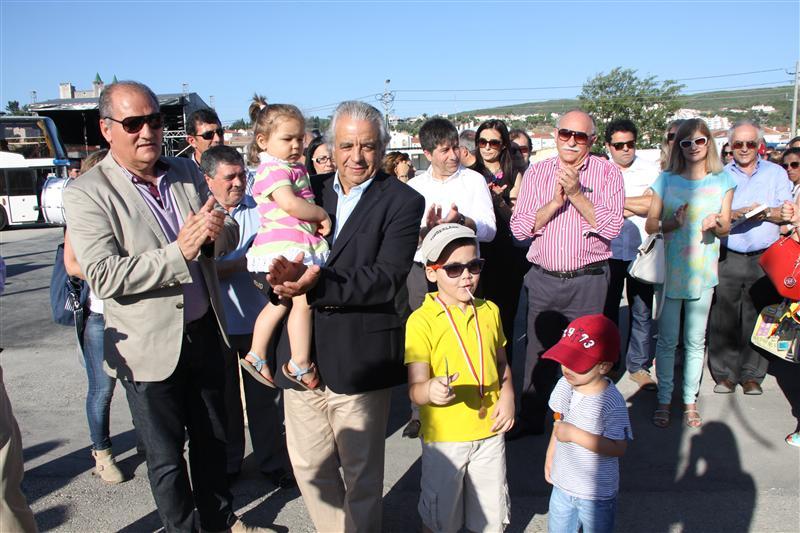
482	412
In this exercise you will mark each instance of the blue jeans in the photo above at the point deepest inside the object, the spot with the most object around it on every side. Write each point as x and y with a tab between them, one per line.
694	345
101	385
567	513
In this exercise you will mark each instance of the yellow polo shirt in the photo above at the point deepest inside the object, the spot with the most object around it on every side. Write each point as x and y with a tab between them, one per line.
429	339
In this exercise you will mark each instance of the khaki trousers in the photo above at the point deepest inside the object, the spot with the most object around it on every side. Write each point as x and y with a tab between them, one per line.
326	431
15	515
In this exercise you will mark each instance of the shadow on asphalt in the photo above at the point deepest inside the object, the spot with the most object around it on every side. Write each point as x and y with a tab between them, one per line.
21	268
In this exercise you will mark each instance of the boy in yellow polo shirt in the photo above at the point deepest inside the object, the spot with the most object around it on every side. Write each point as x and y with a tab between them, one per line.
458	375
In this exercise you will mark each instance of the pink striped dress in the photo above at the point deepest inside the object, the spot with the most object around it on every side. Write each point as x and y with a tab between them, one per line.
279	233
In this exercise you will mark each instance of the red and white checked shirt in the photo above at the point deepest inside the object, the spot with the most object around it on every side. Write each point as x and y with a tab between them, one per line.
567	241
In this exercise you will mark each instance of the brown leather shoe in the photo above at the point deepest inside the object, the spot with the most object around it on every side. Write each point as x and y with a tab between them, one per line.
724	386
752	387
643	379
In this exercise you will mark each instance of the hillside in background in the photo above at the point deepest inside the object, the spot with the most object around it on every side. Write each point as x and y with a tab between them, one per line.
710	103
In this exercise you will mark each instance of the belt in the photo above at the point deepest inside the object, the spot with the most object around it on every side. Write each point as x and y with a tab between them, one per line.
593	269
748	254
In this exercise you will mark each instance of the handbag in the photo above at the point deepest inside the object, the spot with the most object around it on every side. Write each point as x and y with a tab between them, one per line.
650	266
777	330
68	295
781	263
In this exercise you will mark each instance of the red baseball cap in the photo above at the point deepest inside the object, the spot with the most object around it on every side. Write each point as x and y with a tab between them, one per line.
588	340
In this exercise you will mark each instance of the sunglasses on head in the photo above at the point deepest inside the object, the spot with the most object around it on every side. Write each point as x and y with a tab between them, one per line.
738	145
619	146
794	164
494	144
697	141
454	270
580	136
135	124
209	135
321	160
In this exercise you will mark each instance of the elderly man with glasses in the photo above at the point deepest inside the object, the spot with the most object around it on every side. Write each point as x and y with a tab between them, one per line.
743	288
145	233
571	206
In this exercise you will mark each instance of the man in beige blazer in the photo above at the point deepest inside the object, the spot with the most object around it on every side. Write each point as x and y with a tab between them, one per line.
145	233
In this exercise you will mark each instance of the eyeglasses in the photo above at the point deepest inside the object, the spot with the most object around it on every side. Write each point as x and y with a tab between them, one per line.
454	270
794	164
670	136
208	135
321	160
524	149
135	124
727	153
697	141
580	136
738	145
619	146
494	144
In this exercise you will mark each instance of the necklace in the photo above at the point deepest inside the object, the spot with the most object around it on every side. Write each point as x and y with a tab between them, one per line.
483	399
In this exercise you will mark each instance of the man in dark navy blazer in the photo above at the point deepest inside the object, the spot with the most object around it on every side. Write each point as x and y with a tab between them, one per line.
358	333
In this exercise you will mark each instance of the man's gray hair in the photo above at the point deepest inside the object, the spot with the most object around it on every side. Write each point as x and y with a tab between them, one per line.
467	140
357	110
105	106
577	110
217	155
746	122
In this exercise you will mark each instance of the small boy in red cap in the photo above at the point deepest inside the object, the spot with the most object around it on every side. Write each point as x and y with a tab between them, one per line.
591	428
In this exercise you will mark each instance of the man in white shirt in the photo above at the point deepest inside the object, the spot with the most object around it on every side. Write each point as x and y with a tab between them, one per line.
452	194
638	175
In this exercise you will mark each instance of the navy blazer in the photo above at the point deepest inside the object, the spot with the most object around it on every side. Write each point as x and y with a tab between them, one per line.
359	342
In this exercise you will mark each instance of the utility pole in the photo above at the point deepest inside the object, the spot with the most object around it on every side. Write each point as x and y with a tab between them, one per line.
211	101
33	97
386	99
794	101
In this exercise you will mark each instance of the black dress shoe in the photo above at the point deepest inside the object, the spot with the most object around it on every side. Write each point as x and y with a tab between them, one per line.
752	387
412	429
281	478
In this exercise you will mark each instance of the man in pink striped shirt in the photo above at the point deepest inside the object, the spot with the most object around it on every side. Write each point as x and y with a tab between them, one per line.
571	206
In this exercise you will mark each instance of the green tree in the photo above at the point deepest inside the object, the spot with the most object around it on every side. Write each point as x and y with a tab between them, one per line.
13	108
622	94
240	125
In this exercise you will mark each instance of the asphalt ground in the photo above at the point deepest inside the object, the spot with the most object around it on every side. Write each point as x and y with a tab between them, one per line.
733	474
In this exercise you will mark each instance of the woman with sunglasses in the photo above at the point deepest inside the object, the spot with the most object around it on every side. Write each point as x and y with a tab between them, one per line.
791	164
318	158
506	265
691	206
727	153
668	141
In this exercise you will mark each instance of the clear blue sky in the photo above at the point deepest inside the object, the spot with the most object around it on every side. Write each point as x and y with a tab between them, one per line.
314	54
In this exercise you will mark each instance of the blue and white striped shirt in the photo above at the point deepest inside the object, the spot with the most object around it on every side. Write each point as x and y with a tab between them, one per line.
575	470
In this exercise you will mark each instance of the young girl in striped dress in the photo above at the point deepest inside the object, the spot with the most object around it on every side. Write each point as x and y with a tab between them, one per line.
291	223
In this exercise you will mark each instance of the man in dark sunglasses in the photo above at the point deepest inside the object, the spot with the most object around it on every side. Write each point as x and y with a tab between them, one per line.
743	289
571	207
203	130
146	233
638	174
790	161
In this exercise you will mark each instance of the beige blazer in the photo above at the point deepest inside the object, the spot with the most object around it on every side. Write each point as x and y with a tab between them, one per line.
138	274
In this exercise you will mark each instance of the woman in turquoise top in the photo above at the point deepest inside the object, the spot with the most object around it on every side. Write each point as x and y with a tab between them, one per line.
691	206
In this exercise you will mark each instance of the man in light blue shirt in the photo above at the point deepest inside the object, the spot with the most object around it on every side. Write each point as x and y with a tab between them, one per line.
743	288
226	176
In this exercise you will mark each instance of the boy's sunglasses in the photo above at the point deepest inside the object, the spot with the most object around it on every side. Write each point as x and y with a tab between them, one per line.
793	164
738	145
619	146
135	124
454	270
580	136
209	135
697	141
494	144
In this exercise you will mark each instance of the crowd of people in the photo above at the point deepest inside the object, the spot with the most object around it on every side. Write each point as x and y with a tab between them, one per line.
330	271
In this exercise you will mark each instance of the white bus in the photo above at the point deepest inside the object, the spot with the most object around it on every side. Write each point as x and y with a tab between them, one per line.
33	171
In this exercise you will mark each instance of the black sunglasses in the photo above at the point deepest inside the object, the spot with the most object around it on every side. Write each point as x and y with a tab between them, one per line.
135	124
619	146
495	144
738	145
209	135
793	164
726	153
580	136
453	270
